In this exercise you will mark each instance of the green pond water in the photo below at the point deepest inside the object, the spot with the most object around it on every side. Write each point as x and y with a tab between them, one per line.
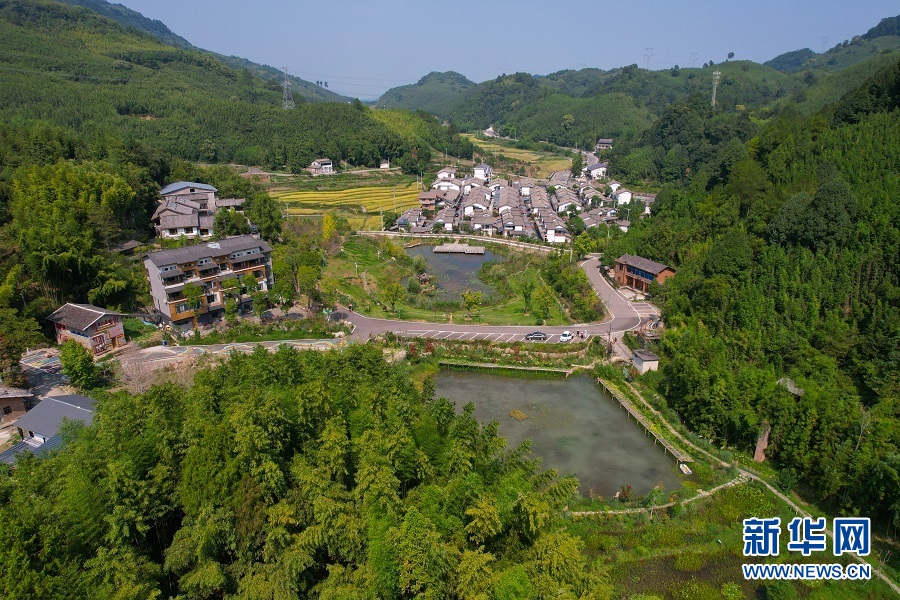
574	427
455	273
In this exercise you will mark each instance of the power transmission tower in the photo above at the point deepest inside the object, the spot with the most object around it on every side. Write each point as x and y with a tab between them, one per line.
287	97
693	59
648	56
824	44
716	75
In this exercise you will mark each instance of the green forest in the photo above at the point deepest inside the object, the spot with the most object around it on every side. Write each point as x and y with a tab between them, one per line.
298	474
786	249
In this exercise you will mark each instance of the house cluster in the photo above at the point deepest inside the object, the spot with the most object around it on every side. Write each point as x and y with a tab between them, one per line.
220	269
188	209
480	203
638	272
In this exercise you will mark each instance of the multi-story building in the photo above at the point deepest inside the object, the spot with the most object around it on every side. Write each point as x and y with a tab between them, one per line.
95	328
188	209
218	268
637	272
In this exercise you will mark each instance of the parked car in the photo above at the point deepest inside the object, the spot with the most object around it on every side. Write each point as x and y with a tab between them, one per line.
566	336
536	336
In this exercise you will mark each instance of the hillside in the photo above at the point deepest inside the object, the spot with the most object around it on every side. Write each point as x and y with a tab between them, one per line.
881	39
437	93
131	18
127	83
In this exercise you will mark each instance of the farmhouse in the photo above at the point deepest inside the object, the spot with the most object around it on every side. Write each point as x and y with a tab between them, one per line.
321	166
188	209
604	144
483	171
638	272
12	403
39	427
95	328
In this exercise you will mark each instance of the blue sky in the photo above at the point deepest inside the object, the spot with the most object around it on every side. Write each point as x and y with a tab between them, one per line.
363	48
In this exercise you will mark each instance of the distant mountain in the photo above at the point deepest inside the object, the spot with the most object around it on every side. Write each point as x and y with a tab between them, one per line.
131	18
436	93
71	67
791	62
881	39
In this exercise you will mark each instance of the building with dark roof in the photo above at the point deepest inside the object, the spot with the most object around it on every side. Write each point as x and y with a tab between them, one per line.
188	209
39	427
95	328
644	361
638	272
214	267
12	403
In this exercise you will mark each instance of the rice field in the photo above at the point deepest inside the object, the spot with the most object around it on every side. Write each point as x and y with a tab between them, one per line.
366	199
545	162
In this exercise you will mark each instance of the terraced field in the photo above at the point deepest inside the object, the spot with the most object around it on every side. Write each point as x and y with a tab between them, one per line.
360	205
544	162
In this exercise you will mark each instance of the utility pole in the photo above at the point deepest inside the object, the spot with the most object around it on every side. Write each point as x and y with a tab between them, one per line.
287	97
716	75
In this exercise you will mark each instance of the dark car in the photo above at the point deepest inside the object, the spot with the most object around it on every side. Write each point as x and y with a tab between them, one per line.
536	336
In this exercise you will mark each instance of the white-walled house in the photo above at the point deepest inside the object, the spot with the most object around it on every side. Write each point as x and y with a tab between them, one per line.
483	171
321	166
623	196
447	173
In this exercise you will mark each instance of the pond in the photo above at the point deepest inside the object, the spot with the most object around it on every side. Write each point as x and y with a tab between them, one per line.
574	427
455	273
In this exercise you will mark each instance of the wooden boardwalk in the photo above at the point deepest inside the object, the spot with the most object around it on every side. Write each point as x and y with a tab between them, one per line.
458	249
640	418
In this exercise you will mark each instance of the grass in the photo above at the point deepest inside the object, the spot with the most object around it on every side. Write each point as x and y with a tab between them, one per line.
137	330
545	162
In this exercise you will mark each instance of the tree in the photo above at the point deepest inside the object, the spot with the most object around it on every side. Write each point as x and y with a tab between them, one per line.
17	334
193	294
78	365
231	310
526	287
577	164
307	277
231	287
484	520
391	293
730	55
249	283
472	300
230	222
329	226
543	300
329	286
389	218
260	303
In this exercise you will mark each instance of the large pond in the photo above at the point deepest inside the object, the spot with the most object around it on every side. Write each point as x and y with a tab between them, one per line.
455	273
574	426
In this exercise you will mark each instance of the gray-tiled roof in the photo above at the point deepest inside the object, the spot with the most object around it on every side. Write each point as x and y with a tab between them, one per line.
45	418
644	264
79	316
180	185
8	456
207	249
12	392
174	221
645	355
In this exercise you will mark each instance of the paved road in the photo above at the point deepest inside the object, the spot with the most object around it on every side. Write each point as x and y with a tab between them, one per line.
623	316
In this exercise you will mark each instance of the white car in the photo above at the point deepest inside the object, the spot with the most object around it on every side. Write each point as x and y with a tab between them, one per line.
566	336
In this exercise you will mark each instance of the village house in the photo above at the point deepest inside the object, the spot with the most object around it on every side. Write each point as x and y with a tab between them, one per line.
217	268
483	172
637	272
566	199
12	403
321	166
447	173
644	361
447	185
97	329
188	209
613	185
623	195
39	427
384	164
604	144
597	171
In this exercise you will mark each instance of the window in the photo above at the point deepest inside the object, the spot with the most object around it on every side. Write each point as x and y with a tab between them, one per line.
7	410
182	307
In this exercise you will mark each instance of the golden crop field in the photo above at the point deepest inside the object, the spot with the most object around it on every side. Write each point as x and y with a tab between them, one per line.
545	162
358	199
